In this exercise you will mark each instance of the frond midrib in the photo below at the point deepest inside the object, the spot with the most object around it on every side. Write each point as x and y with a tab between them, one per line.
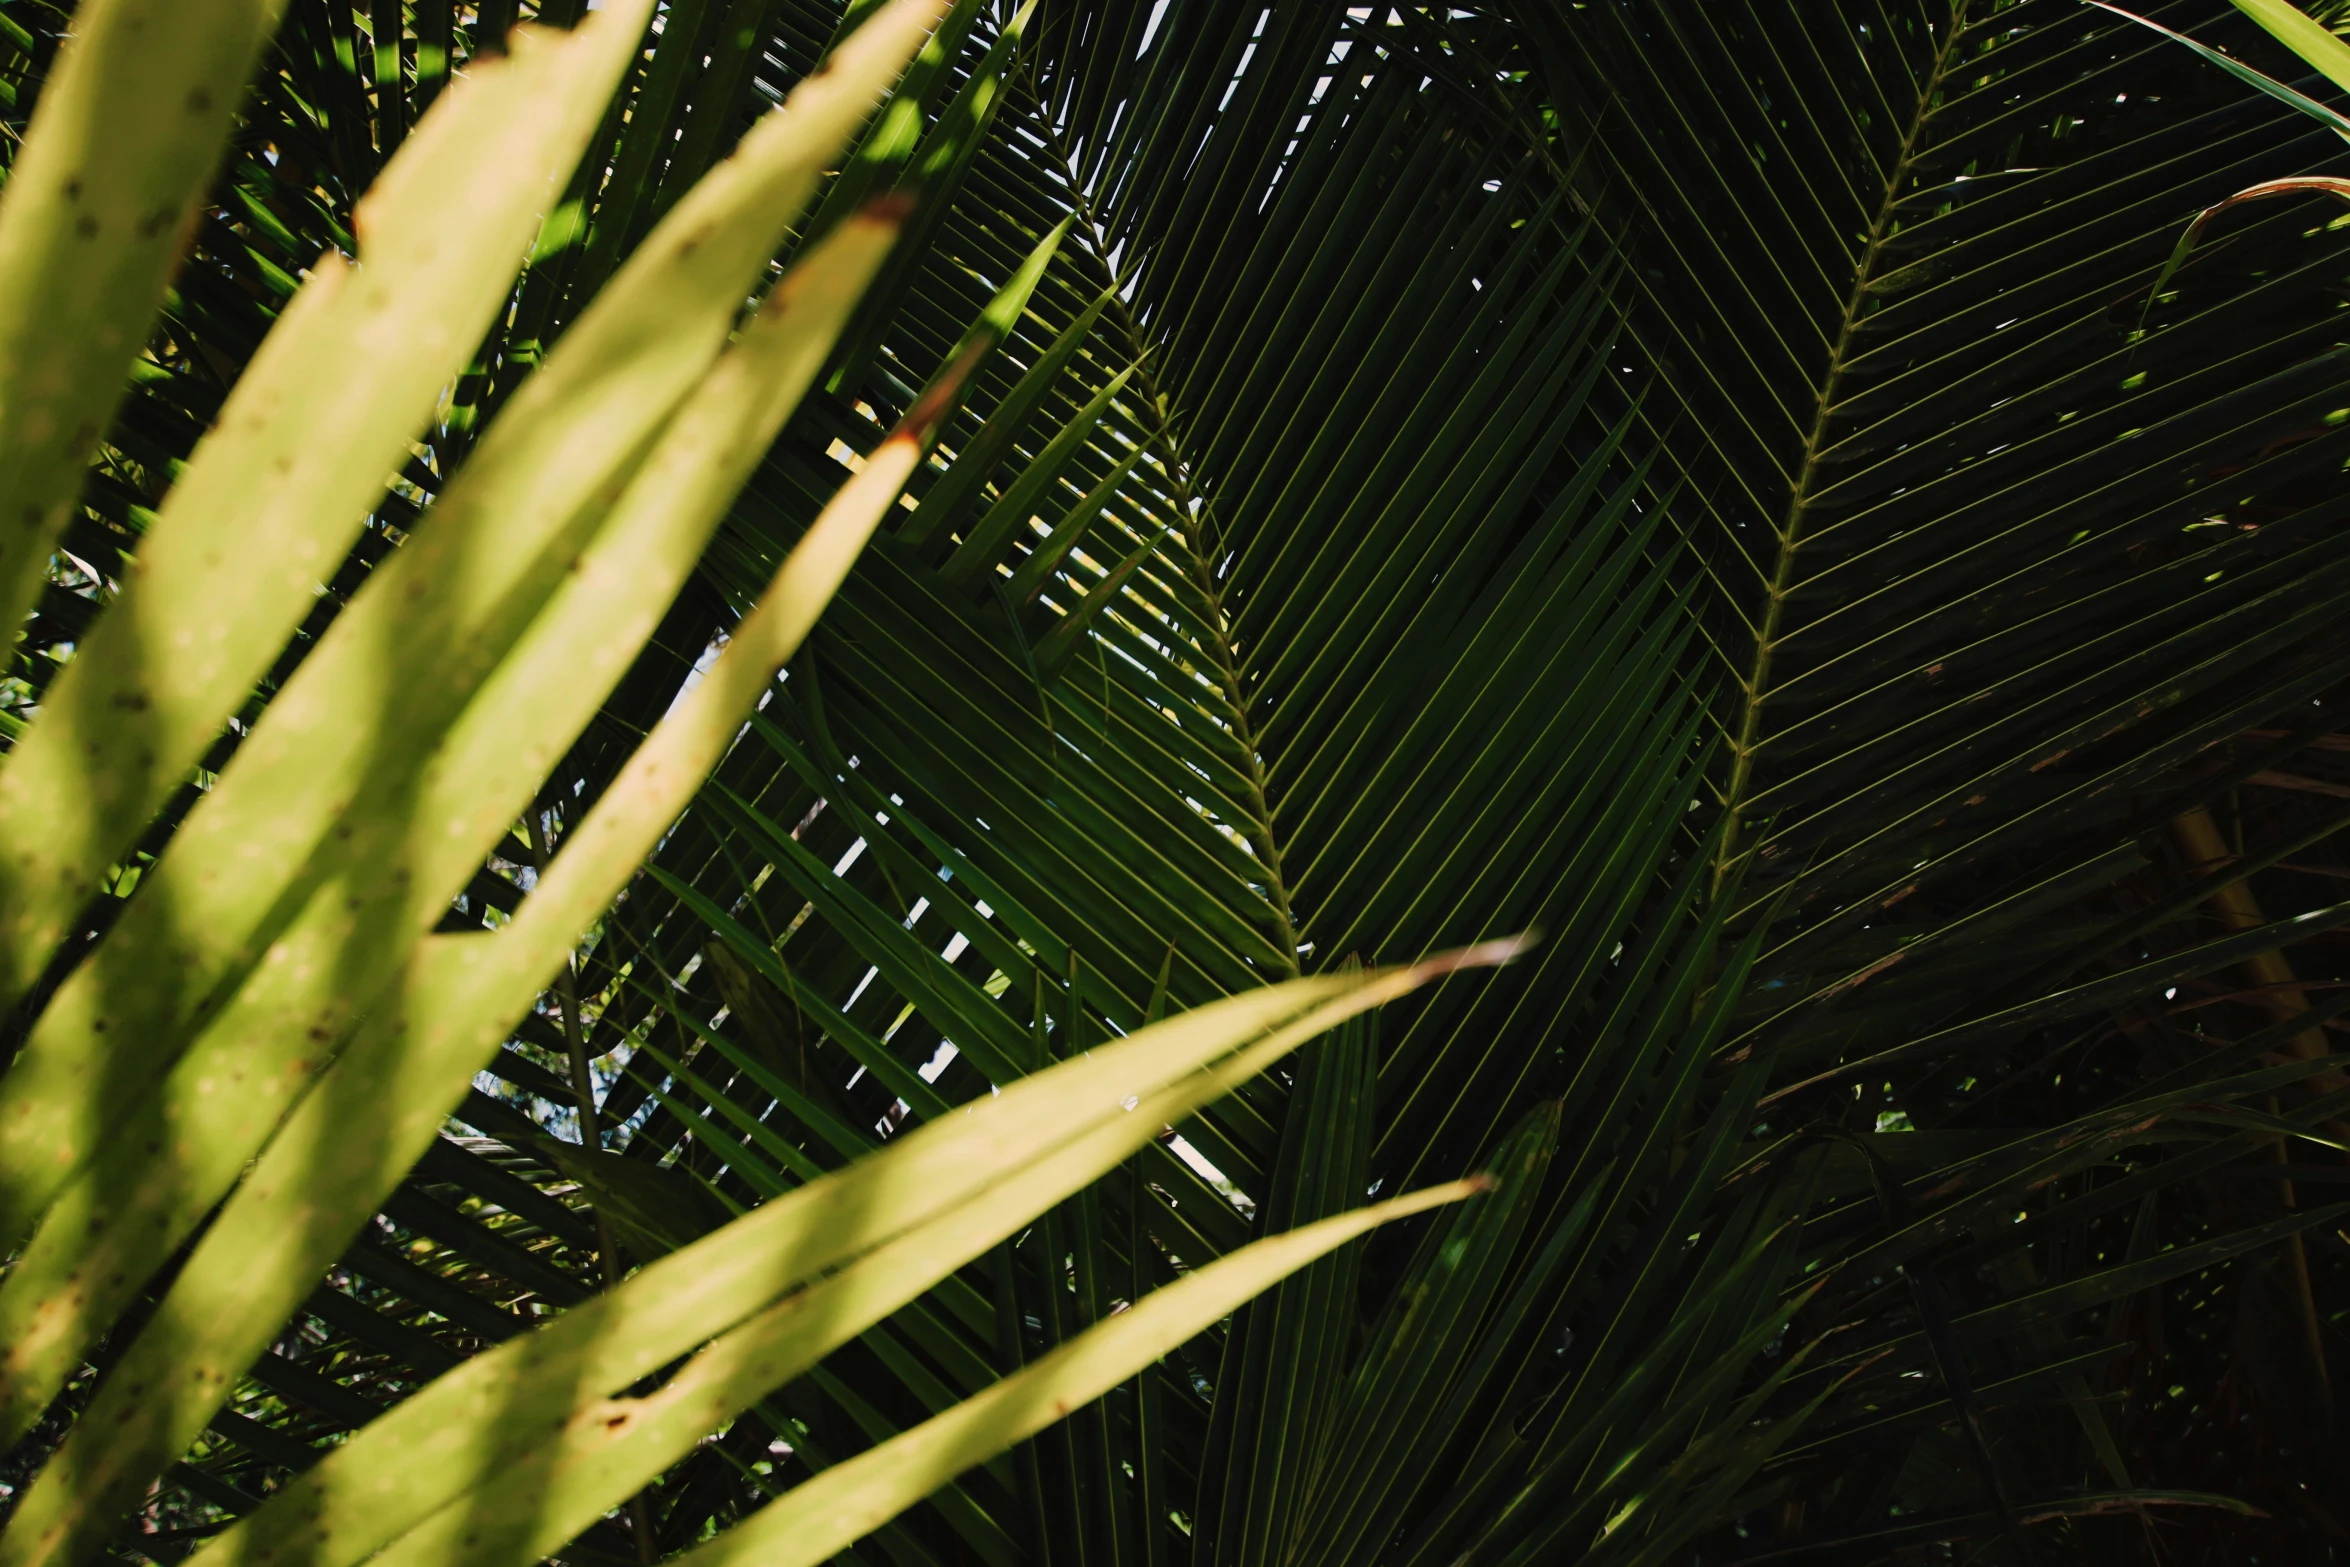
1182	545
1753	685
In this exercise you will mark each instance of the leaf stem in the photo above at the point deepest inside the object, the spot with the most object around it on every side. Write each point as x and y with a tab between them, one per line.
1754	688
1215	642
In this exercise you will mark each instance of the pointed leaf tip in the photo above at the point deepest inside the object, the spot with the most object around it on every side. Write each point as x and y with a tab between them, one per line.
1483	954
938	399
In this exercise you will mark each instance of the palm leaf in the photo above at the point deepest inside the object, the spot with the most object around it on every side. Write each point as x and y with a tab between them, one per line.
1694	483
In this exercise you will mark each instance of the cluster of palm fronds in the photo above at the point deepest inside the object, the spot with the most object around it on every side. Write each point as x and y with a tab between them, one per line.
1735	488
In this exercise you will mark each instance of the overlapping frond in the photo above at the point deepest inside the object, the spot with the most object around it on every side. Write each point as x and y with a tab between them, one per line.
1704	483
2016	581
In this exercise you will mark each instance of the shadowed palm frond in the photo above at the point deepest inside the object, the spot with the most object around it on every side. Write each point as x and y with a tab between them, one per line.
1731	489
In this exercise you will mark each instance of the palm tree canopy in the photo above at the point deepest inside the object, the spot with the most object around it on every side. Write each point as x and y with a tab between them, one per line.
1731	489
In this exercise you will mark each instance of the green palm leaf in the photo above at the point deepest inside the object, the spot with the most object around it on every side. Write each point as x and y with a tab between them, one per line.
1735	489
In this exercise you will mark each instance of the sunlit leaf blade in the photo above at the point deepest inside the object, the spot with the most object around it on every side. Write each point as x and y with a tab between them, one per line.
332	1163
432	1452
128	131
652	333
290	473
847	1502
2268	13
1505	419
2298	31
